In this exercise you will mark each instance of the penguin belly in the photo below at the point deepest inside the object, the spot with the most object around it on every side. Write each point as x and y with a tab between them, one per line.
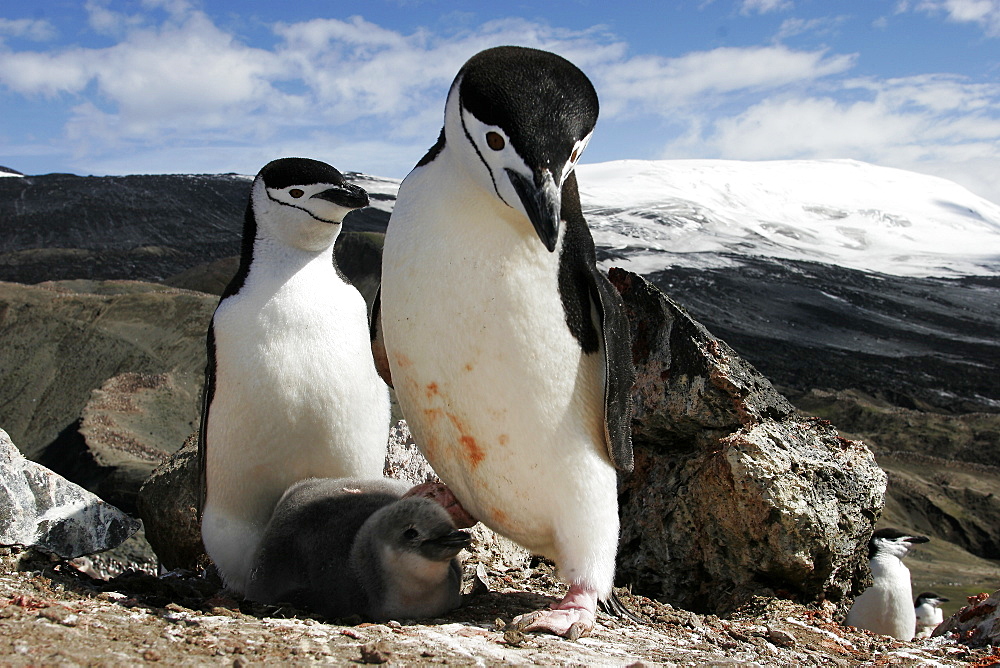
496	390
296	396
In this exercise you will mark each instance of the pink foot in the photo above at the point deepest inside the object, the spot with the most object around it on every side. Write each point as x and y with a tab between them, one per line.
439	493
571	618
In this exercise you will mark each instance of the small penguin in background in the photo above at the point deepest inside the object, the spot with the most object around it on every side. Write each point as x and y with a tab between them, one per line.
509	350
340	547
887	606
928	612
291	390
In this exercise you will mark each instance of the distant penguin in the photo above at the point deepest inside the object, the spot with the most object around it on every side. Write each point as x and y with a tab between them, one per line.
343	547
887	606
291	390
508	349
928	611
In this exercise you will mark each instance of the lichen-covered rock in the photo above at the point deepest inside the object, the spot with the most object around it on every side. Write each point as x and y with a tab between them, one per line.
977	624
41	509
168	505
732	492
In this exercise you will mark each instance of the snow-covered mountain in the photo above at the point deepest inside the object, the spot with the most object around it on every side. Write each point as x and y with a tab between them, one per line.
852	214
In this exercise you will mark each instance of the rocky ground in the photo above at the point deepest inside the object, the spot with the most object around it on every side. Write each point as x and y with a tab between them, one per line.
51	613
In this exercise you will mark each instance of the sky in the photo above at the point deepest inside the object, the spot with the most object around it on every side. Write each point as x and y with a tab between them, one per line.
186	86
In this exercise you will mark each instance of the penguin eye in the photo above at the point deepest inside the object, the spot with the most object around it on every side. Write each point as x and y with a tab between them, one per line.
411	534
495	141
296	192
576	154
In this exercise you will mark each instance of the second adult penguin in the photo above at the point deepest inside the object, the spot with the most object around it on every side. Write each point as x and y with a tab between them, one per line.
291	389
508	349
887	606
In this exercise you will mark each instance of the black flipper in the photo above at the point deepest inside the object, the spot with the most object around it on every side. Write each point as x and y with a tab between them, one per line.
378	343
207	394
596	316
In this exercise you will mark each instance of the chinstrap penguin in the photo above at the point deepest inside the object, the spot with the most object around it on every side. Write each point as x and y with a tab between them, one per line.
291	390
508	349
928	611
340	547
887	606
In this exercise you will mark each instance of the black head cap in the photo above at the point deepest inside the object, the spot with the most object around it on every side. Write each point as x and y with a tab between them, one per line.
285	172
537	97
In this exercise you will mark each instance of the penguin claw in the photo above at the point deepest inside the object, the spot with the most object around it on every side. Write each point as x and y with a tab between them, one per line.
571	624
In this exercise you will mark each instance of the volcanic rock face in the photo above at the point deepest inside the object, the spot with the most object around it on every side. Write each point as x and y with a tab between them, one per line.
43	510
732	492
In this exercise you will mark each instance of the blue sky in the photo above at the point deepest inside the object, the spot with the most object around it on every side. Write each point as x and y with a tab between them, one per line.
181	86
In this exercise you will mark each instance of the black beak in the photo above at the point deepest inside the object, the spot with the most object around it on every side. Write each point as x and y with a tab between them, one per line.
542	200
917	539
347	195
456	539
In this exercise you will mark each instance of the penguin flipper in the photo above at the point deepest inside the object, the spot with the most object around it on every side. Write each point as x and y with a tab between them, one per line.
208	391
378	342
595	314
619	373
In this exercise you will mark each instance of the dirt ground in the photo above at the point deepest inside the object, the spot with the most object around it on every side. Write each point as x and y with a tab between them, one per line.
52	614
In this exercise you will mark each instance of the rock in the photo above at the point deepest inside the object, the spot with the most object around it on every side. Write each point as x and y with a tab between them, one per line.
168	505
977	624
43	510
733	493
63	340
132	423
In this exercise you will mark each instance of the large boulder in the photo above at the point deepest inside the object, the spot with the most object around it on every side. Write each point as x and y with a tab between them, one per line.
733	492
45	511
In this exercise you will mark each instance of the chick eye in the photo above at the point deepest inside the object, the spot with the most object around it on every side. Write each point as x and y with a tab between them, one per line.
495	141
410	534
296	192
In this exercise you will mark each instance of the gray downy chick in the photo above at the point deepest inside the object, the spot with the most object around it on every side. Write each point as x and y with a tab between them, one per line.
343	546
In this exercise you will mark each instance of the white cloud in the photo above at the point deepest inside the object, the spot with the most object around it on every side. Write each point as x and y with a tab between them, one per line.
985	13
748	7
37	30
933	124
704	79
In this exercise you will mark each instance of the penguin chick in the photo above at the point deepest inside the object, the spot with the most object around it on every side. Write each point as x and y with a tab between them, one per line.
928	611
509	350
291	390
887	606
340	547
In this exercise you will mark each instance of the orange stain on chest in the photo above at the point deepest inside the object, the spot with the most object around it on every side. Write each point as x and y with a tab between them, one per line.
470	448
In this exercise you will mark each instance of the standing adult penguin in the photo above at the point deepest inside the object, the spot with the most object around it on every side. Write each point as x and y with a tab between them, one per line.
887	606
927	609
508	349
291	390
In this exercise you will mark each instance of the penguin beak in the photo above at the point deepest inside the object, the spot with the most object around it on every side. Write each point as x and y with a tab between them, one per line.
347	195
456	538
542	201
446	546
916	539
